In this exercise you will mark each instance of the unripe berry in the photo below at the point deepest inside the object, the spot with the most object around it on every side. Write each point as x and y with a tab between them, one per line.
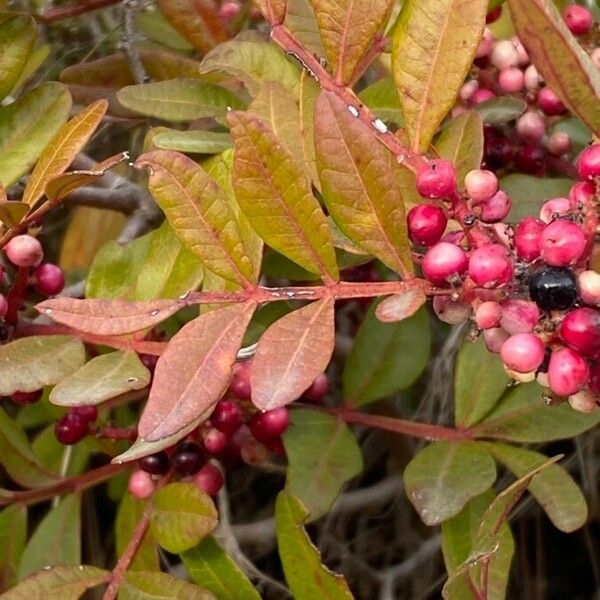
584	401
520	377
588	283
209	479
215	441
240	381
450	311
562	243
588	164
531	127
482	95
568	372
481	184
318	389
521	51
24	398
487	315
559	143
555	208
504	55
71	428
270	424
530	159
580	330
523	352
436	179
490	266
519	316
140	485
468	89
550	103
426	224
155	464
187	458
253	452
553	288
227	417
494	339
527	238
24	251
49	279
443	261
495	209
485	45
533	79
582	193
579	19
511	80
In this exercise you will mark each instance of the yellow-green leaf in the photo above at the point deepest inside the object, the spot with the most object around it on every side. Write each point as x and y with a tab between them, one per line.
301	21
434	44
153	585
194	141
12	213
17	38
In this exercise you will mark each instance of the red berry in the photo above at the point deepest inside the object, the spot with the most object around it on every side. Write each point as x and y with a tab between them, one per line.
497	152
595	379
240	382
71	428
523	352
568	372
519	316
527	238
582	193
530	159
318	389
588	164
426	224
588	283
215	441
87	413
155	464
550	103
140	485
436	179
442	261
579	19
49	279
495	209
493	15
275	446
24	398
227	417
270	424
487	315
187	458
580	330
481	185
209	479
490	266
24	251
562	243
555	208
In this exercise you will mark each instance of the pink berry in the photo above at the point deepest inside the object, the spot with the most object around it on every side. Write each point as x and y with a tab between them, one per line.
559	143
519	316
451	311
487	315
504	55
3	306
521	51
318	389
527	238
49	279
240	381
270	424
436	179
511	80
568	372
443	261
229	10
215	441
588	283
580	330
562	243
582	193
494	339
555	208
141	485
531	127
588	164
579	19
468	89
209	479
523	352
485	45
490	266
533	80
227	417
481	184
482	95
495	209
426	224
253	452
24	251
550	103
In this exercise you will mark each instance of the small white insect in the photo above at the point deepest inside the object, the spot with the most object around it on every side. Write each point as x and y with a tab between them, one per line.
353	110
380	126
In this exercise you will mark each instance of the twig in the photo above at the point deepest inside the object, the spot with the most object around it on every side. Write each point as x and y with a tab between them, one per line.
64	12
130	9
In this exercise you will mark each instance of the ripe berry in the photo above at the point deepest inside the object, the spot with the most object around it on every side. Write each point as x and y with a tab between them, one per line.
49	279
579	19
559	143
24	251
71	428
495	209
24	398
519	316
493	15
442	261
594	381
557	207
270	424
240	382
562	243
426	224
497	152
488	315
523	352
511	80
468	89
187	458
531	127
229	10
553	288
588	164
504	55
149	361
215	441
209	479
530	159
568	372
580	330
490	266
550	103
481	184
140	485
451	311
527	238
589	287
436	179
87	413
155	464
582	193
227	417
318	389
482	95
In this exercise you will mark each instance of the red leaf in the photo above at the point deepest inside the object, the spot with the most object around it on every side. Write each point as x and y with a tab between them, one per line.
108	317
292	353
400	306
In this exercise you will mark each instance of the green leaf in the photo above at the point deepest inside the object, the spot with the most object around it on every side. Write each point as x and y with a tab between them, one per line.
306	576
13	534
156	27
565	66
194	141
28	125
348	29
434	43
178	99
130	512
553	488
444	476
322	456
153	266
182	516
213	569
275	195
30	363
56	540
386	357
479	382
64	582
144	585
498	111
523	416
382	98
198	213
301	21
461	142
17	39
360	184
102	378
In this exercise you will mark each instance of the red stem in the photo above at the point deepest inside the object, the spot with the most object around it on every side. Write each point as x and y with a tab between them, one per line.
16	295
64	12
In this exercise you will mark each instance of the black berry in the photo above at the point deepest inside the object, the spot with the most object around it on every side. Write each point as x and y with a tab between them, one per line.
188	458
553	288
155	464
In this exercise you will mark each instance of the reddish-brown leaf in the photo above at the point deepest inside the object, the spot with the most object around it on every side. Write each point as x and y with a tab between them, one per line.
273	10
292	353
194	372
401	306
108	317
